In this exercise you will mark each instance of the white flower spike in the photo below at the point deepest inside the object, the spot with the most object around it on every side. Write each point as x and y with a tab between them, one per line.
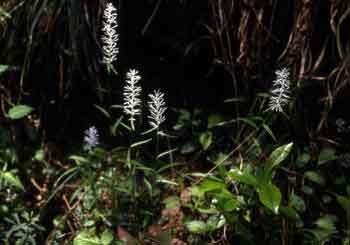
157	109
280	91
91	138
110	36
132	93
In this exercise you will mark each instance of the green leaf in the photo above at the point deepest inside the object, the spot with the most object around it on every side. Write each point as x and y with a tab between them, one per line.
19	111
106	237
228	204
297	202
206	139
196	227
140	143
39	155
187	148
249	121
85	238
169	152
6	15
210	185
315	177
276	157
4	68
307	190
270	196
343	201
12	179
326	155
243	177
103	111
269	131
79	160
290	213
327	222
214	120
171	202
215	222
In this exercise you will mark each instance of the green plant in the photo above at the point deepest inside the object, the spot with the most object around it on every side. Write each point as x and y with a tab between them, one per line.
24	229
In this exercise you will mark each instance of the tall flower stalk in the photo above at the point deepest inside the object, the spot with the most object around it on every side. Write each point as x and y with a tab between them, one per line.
157	109
110	36
280	91
132	93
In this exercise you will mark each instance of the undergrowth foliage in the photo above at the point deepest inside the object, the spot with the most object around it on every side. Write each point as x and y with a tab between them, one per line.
149	173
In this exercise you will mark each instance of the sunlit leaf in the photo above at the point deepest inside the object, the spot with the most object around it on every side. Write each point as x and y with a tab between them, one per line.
276	157
12	179
19	111
84	238
196	226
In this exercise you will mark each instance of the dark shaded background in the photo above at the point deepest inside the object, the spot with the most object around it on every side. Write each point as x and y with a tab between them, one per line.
198	52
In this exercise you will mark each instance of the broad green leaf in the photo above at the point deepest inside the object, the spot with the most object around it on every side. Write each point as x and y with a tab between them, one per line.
215	222
270	196
214	120
228	204
206	139
297	202
196	227
290	213
12	179
327	222
106	237
39	155
210	185
243	177
276	157
315	177
84	238
343	201
19	111
326	155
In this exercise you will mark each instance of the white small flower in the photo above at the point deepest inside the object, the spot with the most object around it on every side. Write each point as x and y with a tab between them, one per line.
110	36
280	91
157	109
91	138
132	93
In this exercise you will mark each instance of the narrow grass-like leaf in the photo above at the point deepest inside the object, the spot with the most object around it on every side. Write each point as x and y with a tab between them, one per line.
140	143
166	153
103	111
